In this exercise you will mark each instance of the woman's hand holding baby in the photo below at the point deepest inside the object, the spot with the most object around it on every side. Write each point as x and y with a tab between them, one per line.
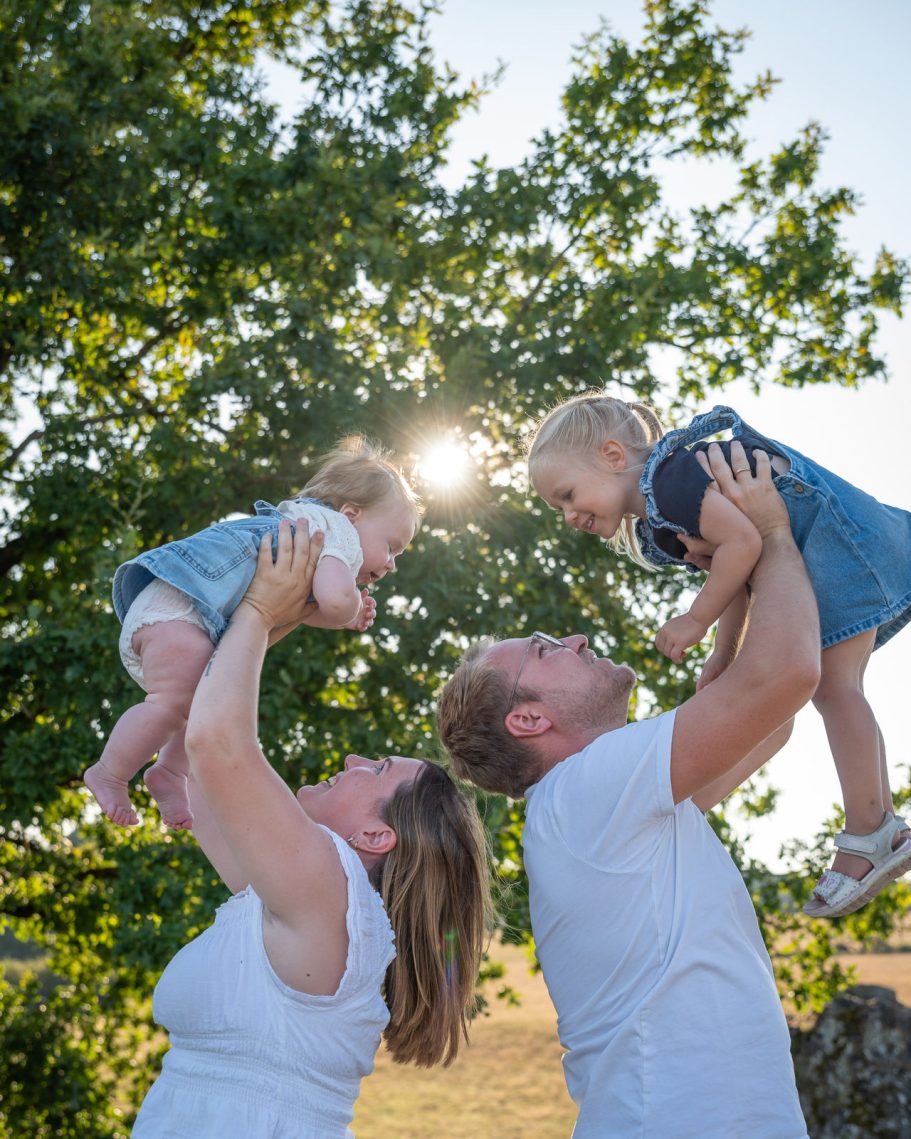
281	589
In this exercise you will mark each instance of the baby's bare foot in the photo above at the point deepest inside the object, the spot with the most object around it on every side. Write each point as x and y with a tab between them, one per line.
172	795
113	795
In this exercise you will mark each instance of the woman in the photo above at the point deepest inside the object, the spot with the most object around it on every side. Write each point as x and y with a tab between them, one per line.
275	1012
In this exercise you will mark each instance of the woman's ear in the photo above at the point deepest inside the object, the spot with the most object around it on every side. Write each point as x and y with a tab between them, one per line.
378	841
613	455
350	511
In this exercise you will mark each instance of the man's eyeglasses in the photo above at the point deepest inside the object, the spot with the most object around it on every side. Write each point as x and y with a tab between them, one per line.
536	638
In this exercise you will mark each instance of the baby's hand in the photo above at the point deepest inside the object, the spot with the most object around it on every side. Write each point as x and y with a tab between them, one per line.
366	614
679	634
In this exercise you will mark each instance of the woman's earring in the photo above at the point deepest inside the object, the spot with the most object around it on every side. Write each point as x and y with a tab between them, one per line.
352	842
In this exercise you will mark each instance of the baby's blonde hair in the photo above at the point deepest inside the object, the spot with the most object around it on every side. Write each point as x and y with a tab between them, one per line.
359	472
580	425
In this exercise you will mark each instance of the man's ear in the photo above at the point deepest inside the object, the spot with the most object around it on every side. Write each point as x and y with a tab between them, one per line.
525	721
613	455
350	511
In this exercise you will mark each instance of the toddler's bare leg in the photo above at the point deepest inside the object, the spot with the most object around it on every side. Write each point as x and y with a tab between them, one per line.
855	740
884	776
174	654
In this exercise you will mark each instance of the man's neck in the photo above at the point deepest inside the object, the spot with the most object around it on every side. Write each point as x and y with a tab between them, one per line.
565	744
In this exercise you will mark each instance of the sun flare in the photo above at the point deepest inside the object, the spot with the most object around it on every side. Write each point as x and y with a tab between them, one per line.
444	465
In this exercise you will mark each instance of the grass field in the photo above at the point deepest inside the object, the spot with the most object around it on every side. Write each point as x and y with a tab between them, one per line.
509	1083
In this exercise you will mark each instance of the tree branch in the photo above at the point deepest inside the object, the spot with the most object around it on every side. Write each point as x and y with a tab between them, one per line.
13	457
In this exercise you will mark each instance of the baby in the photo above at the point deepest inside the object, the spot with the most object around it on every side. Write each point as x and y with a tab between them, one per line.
175	602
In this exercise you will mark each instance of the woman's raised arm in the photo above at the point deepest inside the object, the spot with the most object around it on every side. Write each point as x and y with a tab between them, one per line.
273	845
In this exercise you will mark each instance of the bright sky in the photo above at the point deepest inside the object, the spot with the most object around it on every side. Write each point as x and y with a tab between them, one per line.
843	65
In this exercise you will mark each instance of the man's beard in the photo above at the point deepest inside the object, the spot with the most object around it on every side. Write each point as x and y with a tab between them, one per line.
602	705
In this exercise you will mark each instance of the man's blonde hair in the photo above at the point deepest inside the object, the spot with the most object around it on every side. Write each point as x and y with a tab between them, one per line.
471	715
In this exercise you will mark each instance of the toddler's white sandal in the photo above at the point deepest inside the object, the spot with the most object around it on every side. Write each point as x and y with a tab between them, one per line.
836	894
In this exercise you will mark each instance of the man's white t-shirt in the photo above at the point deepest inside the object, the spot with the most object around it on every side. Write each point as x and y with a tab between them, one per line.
652	954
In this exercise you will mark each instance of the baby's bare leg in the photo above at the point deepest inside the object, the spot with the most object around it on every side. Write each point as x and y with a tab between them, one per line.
174	654
167	780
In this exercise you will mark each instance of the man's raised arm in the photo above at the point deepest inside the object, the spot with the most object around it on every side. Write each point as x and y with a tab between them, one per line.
777	669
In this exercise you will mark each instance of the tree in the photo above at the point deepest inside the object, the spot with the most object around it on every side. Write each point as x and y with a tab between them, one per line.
199	297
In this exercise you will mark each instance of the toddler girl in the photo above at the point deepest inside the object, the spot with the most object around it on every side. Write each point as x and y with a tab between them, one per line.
608	466
175	601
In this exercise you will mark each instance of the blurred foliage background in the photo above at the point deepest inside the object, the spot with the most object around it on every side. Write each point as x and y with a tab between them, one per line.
199	295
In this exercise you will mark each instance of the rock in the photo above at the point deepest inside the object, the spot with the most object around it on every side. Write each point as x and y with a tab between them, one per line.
854	1067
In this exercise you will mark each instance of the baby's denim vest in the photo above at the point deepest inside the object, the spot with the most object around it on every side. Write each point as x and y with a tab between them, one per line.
857	550
213	567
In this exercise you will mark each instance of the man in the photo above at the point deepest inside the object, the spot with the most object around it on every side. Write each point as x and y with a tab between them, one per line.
645	932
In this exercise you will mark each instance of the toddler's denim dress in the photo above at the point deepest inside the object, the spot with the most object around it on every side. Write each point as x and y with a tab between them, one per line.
213	567
857	550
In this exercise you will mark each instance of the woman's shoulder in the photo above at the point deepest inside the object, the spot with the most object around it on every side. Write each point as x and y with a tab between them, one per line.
363	898
371	939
